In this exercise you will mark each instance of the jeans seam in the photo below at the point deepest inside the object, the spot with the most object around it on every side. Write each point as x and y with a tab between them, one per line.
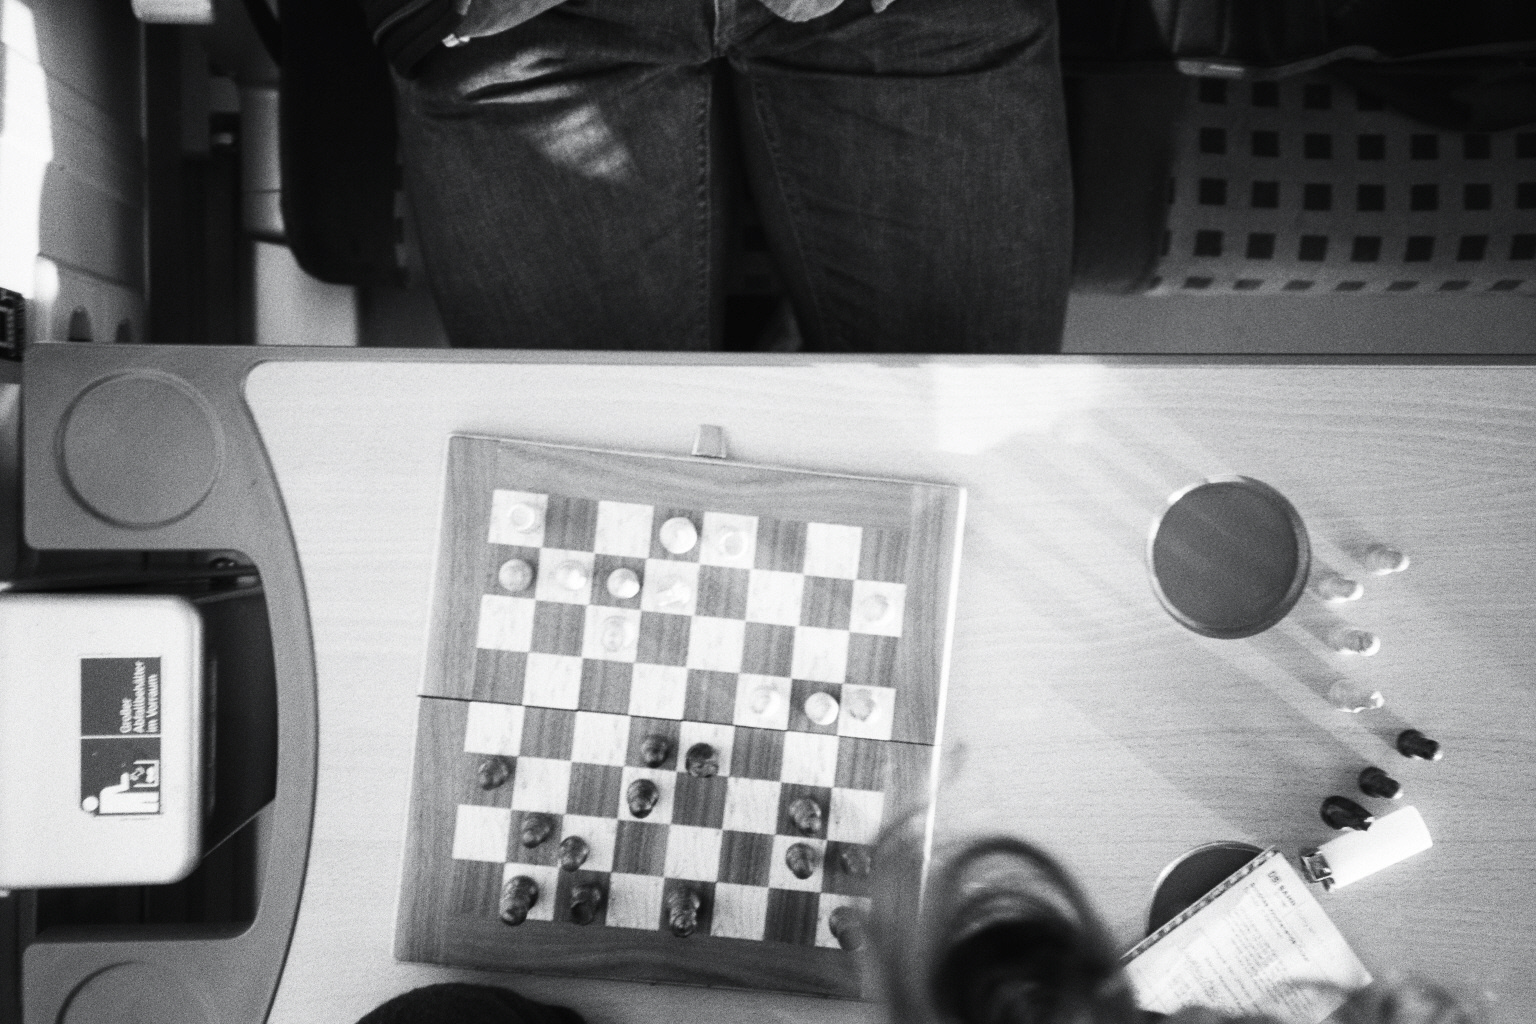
706	215
792	204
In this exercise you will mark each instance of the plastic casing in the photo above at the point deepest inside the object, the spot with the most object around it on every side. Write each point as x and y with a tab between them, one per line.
46	838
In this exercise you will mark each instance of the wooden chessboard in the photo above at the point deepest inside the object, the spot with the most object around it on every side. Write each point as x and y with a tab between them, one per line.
799	583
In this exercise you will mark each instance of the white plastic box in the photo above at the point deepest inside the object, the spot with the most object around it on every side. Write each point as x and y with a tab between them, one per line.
101	719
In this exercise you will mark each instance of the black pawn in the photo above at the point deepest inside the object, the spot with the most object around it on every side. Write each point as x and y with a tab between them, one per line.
1375	782
1412	743
586	901
1342	812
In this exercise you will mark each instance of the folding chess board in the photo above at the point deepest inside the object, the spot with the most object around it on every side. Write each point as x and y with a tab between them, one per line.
538	700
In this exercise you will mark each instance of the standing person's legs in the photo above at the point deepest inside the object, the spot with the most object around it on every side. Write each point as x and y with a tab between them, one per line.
564	179
912	172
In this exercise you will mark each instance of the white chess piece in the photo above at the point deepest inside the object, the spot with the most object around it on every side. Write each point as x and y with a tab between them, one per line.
1348	695
821	708
615	634
679	535
514	575
572	575
731	543
1331	586
1383	560
523	517
623	584
874	608
1353	640
764	700
674	594
860	704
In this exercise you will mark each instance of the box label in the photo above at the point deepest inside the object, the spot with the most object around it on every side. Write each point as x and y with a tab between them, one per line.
120	736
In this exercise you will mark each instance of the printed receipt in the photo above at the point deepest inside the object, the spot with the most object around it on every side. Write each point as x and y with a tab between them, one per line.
1261	944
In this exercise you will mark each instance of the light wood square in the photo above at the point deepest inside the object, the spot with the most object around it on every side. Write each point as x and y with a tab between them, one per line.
666	784
506	623
779	875
878	725
480	833
693	853
599	833
600	738
540	784
719	524
546	878
721	737
634	901
774	597
809	759
493	729
821	655
855	816
776	716
829	902
751	805
716	644
890	624
658	691
501	530
832	550
548	588
659	574
741	911
623	529
592	637
552	681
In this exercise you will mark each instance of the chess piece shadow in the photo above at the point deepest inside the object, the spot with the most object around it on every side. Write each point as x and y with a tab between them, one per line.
1003	935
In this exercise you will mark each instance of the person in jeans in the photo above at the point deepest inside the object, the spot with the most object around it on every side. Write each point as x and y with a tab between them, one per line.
570	166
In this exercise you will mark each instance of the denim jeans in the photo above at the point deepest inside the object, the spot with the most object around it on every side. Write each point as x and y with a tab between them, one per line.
571	176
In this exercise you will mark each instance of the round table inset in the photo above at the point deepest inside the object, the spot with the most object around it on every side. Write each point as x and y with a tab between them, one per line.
140	449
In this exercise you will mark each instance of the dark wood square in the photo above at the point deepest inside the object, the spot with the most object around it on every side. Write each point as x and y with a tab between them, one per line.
547	732
706	891
558	627
792	916
711	697
723	592
862	764
699	802
767	650
566	882
640	728
745	857
605	686
546	853
640	848
499	676
883	555
595	790
799	690
826	602
789	793
835	876
474	888
661	516
604	566
780	544
872	660
757	754
663	639
570	524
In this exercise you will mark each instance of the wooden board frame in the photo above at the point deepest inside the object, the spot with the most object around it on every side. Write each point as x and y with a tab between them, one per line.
447	910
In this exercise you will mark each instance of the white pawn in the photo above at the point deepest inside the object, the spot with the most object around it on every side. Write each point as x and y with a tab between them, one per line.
573	575
623	584
821	708
523	517
764	700
1353	640
860	704
1331	586
1383	560
874	608
1348	695
731	543
679	535
514	575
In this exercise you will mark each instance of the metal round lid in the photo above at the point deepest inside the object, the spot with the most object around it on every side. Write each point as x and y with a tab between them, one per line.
1229	557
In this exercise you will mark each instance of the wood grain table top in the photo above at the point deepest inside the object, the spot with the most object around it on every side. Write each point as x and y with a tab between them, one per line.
1079	715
